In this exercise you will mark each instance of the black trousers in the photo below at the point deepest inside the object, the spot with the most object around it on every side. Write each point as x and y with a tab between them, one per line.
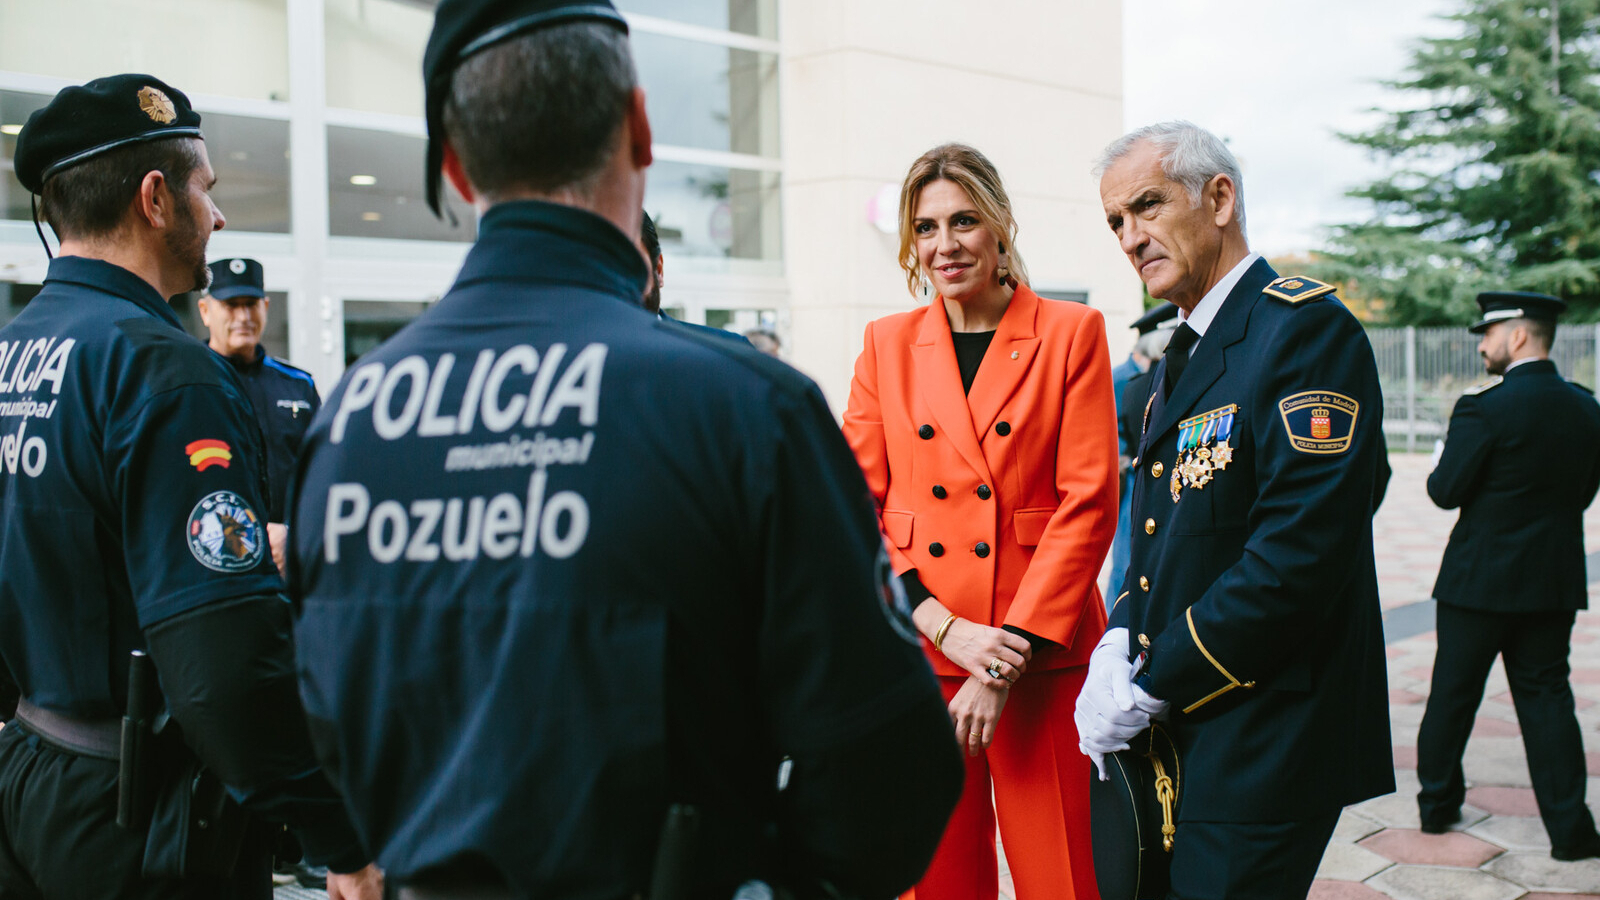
59	838
1248	860
1534	647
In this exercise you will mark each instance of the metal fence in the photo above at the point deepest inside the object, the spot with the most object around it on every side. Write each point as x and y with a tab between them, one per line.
1424	370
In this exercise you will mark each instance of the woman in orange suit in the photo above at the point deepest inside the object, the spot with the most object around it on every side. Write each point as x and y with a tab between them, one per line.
985	425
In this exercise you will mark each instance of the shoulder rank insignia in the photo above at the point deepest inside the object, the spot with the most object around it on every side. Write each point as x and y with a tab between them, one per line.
1296	289
1483	386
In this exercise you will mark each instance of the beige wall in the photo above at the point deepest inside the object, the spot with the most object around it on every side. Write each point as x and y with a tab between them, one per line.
868	88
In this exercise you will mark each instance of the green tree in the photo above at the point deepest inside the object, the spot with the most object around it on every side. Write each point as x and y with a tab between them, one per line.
1495	175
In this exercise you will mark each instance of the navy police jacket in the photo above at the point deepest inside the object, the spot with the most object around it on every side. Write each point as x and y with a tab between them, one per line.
563	563
285	398
1251	591
1523	462
130	486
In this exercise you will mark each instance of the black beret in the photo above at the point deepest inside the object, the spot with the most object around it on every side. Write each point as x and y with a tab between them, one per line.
1498	306
1148	322
237	277
464	27
85	121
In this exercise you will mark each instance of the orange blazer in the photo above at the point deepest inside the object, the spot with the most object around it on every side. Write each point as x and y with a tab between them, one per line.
1026	463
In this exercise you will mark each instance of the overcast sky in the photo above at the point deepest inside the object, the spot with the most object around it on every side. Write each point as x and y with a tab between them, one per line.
1276	80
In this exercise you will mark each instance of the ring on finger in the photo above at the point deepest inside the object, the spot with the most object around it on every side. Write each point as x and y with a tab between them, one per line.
994	669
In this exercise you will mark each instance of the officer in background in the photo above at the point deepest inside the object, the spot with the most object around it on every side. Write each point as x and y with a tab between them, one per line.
1249	618
651	243
285	398
1522	461
543	599
130	499
1133	371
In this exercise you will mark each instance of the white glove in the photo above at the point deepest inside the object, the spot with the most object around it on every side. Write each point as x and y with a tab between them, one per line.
1111	709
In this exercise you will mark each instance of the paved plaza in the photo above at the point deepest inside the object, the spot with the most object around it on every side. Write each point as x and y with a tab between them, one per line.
1499	851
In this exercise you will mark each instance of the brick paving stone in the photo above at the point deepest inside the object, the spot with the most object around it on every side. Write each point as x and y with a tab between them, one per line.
1513	832
1406	757
1455	849
1504	801
1537	871
1594	762
1438	883
1585	675
1352	827
1394	652
1541	895
1350	862
1420	673
1488	726
1328	889
1584	637
1401	696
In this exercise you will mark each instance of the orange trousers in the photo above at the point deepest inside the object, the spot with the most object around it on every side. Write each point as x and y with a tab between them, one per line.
1040	786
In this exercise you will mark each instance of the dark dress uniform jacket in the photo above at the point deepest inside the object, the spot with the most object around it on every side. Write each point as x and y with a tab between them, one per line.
1518	545
1256	591
563	563
285	399
123	440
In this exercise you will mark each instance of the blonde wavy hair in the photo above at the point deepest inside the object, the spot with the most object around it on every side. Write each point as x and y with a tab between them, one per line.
974	173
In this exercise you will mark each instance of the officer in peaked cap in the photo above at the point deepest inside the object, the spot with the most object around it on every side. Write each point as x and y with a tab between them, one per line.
526	685
234	310
1522	462
131	534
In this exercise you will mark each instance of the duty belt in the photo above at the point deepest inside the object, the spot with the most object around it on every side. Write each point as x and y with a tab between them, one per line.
99	738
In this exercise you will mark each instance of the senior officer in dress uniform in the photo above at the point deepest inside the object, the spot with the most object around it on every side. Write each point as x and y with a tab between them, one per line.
131	519
234	310
545	600
1522	461
1249	618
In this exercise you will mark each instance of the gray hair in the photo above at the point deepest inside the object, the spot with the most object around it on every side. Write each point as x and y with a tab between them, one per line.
1190	155
1152	344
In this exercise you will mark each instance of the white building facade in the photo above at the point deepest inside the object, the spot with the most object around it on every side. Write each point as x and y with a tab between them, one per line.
782	128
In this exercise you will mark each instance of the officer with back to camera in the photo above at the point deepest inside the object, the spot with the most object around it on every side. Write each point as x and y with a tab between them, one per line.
234	310
1522	461
130	520
565	567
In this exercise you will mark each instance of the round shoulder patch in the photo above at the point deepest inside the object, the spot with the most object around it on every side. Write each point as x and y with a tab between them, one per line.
225	534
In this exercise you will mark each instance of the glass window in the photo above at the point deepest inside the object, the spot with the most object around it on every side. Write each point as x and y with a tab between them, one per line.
368	323
710	211
234	48
375	189
250	157
374	54
13	297
707	96
753	17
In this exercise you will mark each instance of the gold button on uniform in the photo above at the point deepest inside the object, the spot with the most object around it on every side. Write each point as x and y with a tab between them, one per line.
1149	526
1144	583
1156	469
1144	641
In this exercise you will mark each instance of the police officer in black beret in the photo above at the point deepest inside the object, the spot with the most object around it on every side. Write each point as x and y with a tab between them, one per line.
570	573
132	519
234	310
1522	461
1249	621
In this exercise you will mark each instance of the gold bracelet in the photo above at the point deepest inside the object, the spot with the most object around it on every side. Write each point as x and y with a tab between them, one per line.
938	636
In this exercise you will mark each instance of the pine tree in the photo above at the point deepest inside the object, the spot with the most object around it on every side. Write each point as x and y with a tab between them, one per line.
1495	179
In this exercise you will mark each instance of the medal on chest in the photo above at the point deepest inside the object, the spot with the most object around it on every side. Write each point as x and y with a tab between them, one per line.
1203	449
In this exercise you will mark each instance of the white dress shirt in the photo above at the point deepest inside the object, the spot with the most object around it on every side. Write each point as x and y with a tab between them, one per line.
1200	317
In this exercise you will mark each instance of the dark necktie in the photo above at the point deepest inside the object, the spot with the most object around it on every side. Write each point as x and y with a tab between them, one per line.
1177	353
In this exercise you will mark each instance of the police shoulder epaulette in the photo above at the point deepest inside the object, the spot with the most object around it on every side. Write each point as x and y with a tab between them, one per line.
291	371
1483	387
1296	289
